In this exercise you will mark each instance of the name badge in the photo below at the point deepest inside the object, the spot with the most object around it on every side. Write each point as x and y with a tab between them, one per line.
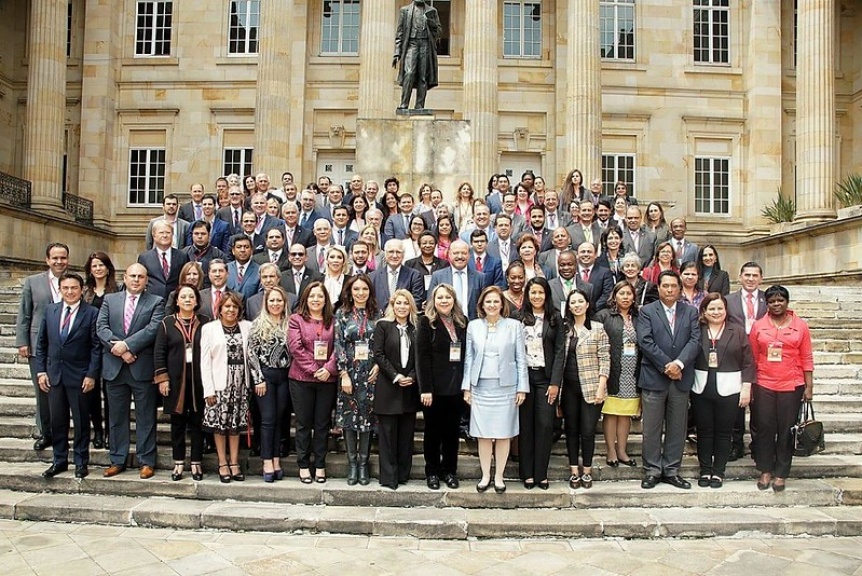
189	356
321	350
773	351
629	349
454	352
713	359
534	347
361	351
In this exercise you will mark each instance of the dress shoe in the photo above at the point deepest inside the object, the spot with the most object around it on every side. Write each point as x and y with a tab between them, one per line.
676	481
81	472
433	482
452	481
716	482
482	487
529	484
631	462
147	472
587	481
776	487
499	488
197	472
649	482
703	481
54	469
98	440
42	443
543	485
735	454
113	470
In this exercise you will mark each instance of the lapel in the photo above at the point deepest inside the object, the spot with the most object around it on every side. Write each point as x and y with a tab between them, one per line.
721	345
663	318
80	318
53	318
481	338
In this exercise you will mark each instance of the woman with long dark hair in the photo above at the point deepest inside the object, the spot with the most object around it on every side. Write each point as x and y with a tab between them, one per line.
711	278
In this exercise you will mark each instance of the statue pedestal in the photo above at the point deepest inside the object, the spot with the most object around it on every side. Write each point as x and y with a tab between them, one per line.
415	149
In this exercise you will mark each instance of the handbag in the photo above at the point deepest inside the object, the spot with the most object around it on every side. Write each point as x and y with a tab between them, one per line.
808	432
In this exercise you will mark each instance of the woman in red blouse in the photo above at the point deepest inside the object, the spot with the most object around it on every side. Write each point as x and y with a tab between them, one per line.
781	345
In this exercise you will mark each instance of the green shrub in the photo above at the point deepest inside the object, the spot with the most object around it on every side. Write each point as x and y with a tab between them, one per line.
781	210
848	192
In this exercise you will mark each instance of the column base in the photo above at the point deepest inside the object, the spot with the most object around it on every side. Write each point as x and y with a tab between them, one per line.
50	209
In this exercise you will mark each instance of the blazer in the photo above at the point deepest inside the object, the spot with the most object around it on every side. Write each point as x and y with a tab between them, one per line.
564	219
310	219
250	284
214	357
659	345
263	258
225	214
389	396
220	233
602	284
36	295
476	282
301	335
494	250
491	267
211	254
735	361
301	235
394	228
513	354
181	231
553	340
519	223
614	326
419	266
288	282
67	362
576	232
408	278
736	306
559	293
548	261
436	372
646	245
350	236
546	238
149	312
187	212
157	283
594	361
311	262
169	359
719	281
689	251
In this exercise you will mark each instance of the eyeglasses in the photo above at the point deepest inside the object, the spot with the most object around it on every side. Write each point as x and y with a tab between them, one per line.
296	254
235	194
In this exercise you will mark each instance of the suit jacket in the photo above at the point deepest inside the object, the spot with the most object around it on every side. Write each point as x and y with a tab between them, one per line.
646	245
211	254
614	327
263	258
301	235
494	250
719	281
312	217
576	232
593	352
225	214
170	364
559	293
419	266
140	338
187	212
491	267
476	282
157	283
389	396
736	306
659	345
207	302
350	236
564	219
254	305
181	231
220	233
395	228
553	341
548	261
436	372
36	295
250	284
735	361
546	238
519	223
402	37
689	251
602	282
67	362
513	354
408	279
312	262
308	276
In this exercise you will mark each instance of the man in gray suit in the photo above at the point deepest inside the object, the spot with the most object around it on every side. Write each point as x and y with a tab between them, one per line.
585	230
669	339
683	250
127	326
636	239
39	291
468	283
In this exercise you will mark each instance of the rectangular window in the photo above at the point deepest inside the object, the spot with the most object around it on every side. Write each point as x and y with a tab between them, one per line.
237	161
153	28
617	167
69	30
712	31
444	11
522	29
617	29
244	27
146	176
712	185
340	34
795	29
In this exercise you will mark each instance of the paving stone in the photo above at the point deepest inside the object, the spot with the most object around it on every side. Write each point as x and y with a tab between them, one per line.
849	520
170	513
78	508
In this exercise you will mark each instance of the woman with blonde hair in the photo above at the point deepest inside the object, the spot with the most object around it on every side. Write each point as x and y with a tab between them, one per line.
462	211
370	236
336	273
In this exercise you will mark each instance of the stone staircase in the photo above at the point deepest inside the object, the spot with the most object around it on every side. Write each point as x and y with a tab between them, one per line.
821	499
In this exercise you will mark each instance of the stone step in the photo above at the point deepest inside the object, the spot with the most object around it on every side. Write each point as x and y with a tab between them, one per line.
831	358
842	345
436	523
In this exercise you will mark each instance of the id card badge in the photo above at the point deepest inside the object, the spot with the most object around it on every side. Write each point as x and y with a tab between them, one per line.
629	349
321	350
534	347
454	352
713	359
773	351
361	351
189	356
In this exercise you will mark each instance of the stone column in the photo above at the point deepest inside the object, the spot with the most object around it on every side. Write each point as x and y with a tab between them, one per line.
583	112
480	87
815	110
46	103
273	105
376	43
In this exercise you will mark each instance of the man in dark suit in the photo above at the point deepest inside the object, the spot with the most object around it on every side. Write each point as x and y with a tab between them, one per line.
219	229
127	326
560	240
517	222
293	232
554	217
503	247
163	263
308	215
211	297
193	210
341	234
566	281
39	291
359	258
264	222
275	252
201	250
601	279
669	339
536	227
636	239
393	276
270	276
585	230
683	250
243	273
179	227
483	262
68	362
323	240
468	283
298	271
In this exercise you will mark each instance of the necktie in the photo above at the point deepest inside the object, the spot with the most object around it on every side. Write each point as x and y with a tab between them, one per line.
588	234
236	218
405	345
504	251
197	211
341	237
67	319
304	219
460	292
567	288
321	257
297	280
552	221
585	274
216	302
239	273
635	240
678	249
129	312
671	318
393	282
274	257
749	306
406	225
289	234
166	268
478	263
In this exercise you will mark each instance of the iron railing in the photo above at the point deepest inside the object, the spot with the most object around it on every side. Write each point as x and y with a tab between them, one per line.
15	191
80	208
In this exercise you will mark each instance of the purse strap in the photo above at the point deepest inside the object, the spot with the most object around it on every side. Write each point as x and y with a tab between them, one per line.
804	408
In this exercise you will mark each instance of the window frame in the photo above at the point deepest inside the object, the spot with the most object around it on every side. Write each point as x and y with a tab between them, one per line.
167	12
339	27
617	6
713	198
252	33
711	9
521	41
609	185
153	196
246	160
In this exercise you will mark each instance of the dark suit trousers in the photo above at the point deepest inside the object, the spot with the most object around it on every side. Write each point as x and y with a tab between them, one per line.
580	420
776	413
739	429
440	441
43	408
714	416
395	447
62	399
537	428
95	401
666	409
312	402
121	390
272	407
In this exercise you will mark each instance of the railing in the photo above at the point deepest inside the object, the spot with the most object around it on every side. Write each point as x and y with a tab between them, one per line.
80	208
14	190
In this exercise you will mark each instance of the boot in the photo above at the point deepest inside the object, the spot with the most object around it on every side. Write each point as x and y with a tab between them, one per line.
364	451
352	468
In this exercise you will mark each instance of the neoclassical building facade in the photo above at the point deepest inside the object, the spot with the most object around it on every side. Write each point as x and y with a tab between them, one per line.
708	106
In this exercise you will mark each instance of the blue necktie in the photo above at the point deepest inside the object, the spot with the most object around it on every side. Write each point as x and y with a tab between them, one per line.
67	319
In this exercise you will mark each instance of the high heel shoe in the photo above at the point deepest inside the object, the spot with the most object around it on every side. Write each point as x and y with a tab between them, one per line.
197	472
305	479
269	477
224	478
499	489
278	474
764	485
543	485
482	487
529	484
239	476
177	474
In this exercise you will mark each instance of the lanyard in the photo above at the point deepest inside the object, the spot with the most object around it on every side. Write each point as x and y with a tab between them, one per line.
187	334
362	325
713	338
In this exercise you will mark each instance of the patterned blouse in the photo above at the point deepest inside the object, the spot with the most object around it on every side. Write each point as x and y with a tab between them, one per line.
271	353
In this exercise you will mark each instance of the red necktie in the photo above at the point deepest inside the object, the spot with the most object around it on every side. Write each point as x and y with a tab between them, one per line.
478	263
239	275
586	275
166	269
216	302
320	258
749	306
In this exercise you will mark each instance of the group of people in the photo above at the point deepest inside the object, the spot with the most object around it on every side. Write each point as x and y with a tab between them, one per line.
498	317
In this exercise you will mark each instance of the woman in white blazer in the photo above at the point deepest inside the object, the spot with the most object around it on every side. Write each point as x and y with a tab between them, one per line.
225	378
495	382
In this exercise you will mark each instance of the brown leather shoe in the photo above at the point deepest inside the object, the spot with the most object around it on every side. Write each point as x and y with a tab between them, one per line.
113	470
147	472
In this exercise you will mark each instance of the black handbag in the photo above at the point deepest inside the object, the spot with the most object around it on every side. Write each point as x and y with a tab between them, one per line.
808	432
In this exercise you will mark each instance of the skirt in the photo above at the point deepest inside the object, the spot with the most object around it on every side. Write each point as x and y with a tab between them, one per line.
493	413
615	406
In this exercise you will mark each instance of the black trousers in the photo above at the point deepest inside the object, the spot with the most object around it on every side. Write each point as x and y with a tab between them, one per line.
739	429
580	421
715	416
395	447
95	398
536	429
189	422
440	442
61	400
776	413
271	407
313	404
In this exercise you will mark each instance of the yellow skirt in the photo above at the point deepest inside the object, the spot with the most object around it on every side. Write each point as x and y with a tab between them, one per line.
622	406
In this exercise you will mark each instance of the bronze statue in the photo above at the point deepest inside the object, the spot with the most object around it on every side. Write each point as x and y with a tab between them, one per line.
416	49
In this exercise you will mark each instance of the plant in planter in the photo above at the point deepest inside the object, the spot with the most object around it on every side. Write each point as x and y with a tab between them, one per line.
848	193
781	212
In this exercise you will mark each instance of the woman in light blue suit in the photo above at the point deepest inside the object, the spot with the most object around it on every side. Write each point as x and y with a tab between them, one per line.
495	382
